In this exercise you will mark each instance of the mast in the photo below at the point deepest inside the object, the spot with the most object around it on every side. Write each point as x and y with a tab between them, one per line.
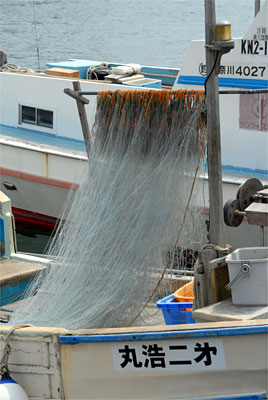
218	42
257	6
217	227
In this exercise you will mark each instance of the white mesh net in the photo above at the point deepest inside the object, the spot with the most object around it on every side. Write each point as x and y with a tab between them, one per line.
128	215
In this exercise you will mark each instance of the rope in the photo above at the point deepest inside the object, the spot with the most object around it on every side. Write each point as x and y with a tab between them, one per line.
7	349
14	68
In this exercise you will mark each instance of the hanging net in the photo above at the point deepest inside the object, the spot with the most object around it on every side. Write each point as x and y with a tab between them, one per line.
135	211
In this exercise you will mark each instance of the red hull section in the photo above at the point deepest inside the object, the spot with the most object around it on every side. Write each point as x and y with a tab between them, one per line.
34	221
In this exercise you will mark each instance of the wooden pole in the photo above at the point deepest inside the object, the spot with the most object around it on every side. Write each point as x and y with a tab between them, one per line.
83	116
217	227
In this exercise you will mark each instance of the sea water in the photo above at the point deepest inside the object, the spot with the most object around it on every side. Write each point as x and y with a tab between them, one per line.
149	32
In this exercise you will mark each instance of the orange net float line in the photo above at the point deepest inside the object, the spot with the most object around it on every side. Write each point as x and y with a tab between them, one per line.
120	114
153	104
145	97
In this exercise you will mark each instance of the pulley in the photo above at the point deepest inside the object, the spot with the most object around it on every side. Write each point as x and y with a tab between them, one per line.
231	213
251	202
246	192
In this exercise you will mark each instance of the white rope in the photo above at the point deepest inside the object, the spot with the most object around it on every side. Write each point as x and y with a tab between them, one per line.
14	68
7	349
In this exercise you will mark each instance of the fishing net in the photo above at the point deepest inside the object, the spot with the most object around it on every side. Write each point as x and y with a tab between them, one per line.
134	213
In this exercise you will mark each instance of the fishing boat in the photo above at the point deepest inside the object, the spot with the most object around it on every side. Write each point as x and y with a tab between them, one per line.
42	145
223	355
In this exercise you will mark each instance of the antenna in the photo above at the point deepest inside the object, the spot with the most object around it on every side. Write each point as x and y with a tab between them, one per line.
36	38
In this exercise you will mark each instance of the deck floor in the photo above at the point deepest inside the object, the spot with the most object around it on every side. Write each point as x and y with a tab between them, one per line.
14	271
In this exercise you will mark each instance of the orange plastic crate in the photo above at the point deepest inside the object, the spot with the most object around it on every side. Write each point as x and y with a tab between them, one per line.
185	293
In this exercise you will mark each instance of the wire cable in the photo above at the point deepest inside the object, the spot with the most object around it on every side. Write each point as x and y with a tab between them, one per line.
213	68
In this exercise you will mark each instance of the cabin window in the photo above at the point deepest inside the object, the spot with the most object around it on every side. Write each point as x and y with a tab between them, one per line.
28	115
45	118
36	116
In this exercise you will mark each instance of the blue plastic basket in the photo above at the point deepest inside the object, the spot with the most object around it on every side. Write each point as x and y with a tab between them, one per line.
175	312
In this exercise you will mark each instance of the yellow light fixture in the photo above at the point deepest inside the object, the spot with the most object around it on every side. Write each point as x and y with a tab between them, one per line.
223	31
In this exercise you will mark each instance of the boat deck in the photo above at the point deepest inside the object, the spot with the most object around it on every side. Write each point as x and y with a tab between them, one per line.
14	271
15	276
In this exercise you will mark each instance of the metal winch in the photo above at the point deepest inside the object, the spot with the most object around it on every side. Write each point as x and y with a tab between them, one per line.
251	202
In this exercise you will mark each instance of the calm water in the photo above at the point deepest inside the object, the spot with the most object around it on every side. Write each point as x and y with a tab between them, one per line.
152	32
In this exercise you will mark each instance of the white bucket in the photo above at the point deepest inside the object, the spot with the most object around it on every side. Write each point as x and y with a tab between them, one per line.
248	272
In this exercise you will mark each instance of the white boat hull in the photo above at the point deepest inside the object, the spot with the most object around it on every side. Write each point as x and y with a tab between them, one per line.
54	363
48	173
